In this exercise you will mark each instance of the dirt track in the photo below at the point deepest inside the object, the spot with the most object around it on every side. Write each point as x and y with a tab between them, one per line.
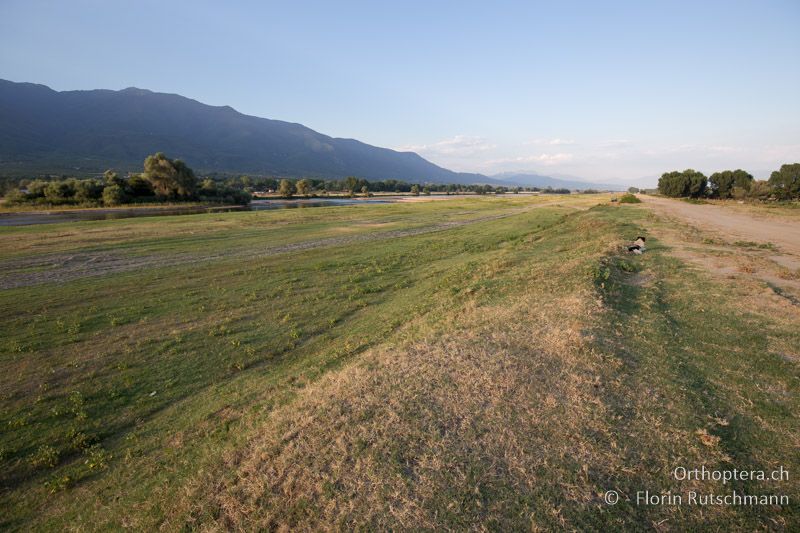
783	233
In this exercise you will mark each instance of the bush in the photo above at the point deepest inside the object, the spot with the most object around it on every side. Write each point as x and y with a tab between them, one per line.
113	195
88	191
59	192
628	198
760	190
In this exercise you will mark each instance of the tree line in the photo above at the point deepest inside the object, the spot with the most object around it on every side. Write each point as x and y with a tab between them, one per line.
171	180
353	186
163	180
783	184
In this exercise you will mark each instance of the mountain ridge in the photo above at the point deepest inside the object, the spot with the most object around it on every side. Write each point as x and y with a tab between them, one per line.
89	131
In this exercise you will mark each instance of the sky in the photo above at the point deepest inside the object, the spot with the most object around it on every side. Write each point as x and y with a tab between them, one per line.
605	91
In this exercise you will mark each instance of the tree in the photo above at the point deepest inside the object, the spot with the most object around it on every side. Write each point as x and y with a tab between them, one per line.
351	182
722	183
786	181
286	189
633	190
58	191
426	191
169	178
680	184
365	190
208	187
111	178
303	187
415	190
88	190
760	190
139	187
113	195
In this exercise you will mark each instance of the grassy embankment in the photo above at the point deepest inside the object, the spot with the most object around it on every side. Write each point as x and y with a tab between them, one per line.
504	373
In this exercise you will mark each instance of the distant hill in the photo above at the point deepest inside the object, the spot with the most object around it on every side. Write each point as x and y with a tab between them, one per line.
536	180
83	132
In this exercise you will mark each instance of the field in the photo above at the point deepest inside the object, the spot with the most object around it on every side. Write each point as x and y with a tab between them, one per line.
477	363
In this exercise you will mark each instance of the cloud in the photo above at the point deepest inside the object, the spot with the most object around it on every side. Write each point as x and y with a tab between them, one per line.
460	145
540	159
615	143
550	142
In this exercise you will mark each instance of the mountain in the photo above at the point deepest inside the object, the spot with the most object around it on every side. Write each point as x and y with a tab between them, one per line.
536	180
85	132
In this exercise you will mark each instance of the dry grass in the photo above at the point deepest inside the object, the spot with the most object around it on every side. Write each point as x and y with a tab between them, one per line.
547	368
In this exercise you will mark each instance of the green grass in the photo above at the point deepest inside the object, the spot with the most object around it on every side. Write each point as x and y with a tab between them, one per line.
629	198
129	398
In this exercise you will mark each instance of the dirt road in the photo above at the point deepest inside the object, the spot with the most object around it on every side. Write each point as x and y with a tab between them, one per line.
735	226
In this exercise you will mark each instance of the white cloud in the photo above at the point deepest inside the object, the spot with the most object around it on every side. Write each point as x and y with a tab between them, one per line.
607	160
461	145
540	159
550	142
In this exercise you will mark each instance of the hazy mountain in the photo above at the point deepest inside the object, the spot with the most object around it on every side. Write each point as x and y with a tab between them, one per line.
536	180
42	130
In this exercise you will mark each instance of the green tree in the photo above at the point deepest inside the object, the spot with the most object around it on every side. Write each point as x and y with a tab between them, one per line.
303	187
208	187
58	191
286	189
138	187
760	190
426	191
169	178
112	178
113	195
786	181
350	183
365	190
722	183
415	190
681	184
633	190
88	191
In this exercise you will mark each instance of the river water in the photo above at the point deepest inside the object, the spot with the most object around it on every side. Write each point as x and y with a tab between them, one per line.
27	218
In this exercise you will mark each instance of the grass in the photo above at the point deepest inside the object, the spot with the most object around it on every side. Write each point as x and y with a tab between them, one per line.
629	198
501	374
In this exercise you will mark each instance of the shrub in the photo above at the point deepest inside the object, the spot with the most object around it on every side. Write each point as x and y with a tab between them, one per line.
45	456
59	192
760	190
87	191
113	195
628	198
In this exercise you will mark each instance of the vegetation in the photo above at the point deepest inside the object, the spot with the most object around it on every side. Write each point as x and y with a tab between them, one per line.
723	183
783	184
629	198
286	189
163	180
688	183
494	365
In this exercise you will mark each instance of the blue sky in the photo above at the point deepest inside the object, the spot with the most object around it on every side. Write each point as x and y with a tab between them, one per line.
617	91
